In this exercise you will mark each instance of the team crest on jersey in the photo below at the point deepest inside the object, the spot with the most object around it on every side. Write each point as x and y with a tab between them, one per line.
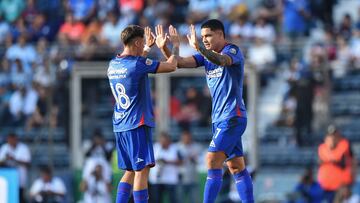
148	62
232	50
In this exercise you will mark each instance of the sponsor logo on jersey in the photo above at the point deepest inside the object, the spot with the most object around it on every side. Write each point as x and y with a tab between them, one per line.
116	73
216	73
148	62
232	50
212	143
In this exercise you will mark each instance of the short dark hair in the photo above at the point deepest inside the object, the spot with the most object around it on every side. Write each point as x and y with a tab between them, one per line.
45	169
214	24
131	32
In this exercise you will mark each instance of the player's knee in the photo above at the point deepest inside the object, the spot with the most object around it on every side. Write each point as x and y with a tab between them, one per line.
235	169
236	165
214	161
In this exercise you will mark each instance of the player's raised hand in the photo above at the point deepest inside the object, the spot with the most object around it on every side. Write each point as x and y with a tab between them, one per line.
161	37
149	37
174	36
192	37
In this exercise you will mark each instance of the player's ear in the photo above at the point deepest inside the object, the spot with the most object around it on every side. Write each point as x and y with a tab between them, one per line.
219	33
138	41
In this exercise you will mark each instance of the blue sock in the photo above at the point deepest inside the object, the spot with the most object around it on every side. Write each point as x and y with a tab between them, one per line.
123	192
244	186
141	196
212	185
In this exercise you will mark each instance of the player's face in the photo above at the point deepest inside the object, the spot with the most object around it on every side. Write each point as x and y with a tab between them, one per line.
211	38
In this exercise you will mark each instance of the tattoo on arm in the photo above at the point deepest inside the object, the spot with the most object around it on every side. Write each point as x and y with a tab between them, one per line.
175	51
166	52
216	58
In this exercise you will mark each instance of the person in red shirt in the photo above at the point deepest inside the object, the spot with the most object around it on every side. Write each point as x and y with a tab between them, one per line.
71	31
337	163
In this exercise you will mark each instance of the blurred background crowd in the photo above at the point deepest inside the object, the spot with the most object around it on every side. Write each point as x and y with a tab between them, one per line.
306	54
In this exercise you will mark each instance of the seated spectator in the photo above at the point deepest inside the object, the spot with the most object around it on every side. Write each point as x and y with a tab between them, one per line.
83	10
45	75
110	33
22	104
15	154
129	6
104	7
263	29
164	177
18	76
99	148
24	51
11	9
18	28
91	39
43	52
309	190
190	152
39	29
199	10
156	9
271	11
241	28
71	31
4	30
225	6
47	188
340	65
4	102
345	27
90	165
337	163
295	14
262	56
95	187
43	114
30	12
189	113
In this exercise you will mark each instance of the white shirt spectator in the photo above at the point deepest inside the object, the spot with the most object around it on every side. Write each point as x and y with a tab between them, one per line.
56	185
190	154
111	33
164	173
202	6
45	76
267	32
4	31
21	153
97	191
90	165
261	54
227	5
244	31
27	55
23	103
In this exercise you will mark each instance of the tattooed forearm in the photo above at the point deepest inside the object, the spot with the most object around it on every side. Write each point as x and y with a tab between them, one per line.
214	57
175	51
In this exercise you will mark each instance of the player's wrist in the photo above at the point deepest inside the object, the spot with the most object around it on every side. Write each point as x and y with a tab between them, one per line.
147	48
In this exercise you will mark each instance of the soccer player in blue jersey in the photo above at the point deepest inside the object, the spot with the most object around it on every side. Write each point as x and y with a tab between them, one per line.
224	67
133	113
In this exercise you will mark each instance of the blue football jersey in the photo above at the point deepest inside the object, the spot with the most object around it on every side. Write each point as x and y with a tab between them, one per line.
129	83
225	84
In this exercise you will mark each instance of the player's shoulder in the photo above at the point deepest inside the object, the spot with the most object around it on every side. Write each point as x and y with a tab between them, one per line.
232	48
146	61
